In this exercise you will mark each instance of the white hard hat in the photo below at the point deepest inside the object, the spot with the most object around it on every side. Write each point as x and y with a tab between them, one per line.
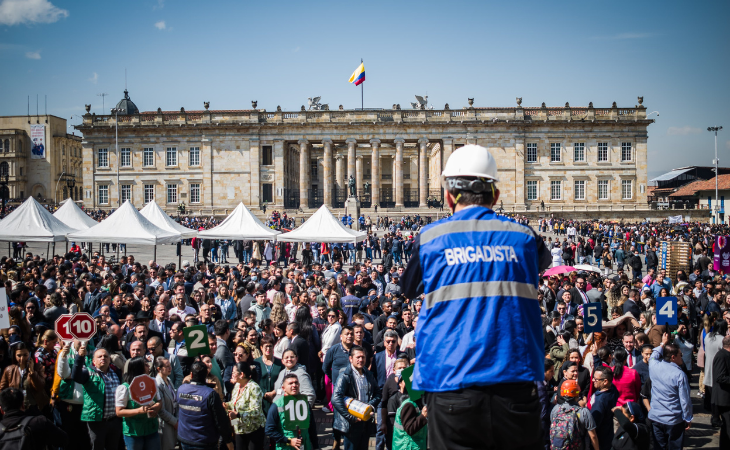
471	161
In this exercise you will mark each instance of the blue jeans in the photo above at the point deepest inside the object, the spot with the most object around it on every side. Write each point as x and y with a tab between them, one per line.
149	442
668	437
379	435
185	446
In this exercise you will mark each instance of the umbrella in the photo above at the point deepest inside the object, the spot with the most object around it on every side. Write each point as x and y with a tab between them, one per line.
558	270
587	268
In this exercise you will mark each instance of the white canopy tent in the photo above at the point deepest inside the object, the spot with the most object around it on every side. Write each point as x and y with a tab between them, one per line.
126	226
323	227
31	222
73	216
157	216
240	224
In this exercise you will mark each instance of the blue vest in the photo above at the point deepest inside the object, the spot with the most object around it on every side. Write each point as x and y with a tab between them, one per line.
480	322
196	424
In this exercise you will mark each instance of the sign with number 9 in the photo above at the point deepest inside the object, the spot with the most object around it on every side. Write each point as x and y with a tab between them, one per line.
592	318
666	311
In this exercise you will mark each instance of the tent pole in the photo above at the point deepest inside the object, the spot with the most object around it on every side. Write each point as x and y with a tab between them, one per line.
54	248
179	257
66	245
9	252
155	254
48	249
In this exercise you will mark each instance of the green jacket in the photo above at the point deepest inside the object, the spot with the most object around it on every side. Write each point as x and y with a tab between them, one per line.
94	390
404	441
139	425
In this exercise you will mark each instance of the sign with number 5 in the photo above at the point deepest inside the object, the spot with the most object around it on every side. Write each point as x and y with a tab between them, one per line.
666	311
196	340
592	318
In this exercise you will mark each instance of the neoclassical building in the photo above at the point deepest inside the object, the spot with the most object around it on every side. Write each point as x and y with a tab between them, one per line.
569	158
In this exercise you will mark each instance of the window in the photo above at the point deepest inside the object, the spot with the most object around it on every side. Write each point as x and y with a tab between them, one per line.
172	193
532	153
4	168
555	152
194	156
149	193
125	157
194	192
627	191
266	154
65	192
267	196
1	146
103	157
556	190
126	192
171	157
579	152
21	174
103	196
313	170
531	189
602	151
602	189
63	153
148	156
580	190
626	153
7	145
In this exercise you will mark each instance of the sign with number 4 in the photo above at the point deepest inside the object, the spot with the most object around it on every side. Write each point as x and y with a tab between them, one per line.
666	311
196	340
592	318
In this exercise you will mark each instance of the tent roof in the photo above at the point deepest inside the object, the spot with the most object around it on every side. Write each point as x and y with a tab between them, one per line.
322	227
31	222
73	216
240	224
157	216
672	175
126	226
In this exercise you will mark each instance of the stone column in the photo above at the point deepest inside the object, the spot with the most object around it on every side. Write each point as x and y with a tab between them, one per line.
351	151
358	173
448	147
422	172
340	171
398	172
304	173
375	171
327	166
279	171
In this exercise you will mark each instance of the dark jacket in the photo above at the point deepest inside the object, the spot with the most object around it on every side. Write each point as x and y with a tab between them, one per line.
601	408
651	259
632	307
630	435
301	346
721	378
379	368
347	387
42	431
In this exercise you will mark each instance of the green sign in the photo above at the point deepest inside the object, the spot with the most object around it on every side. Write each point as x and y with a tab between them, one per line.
296	412
196	340
408	378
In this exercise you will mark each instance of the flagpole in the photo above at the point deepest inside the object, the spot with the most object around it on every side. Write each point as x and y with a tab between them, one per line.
362	93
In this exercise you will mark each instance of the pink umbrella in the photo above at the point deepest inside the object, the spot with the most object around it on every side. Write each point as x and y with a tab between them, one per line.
558	270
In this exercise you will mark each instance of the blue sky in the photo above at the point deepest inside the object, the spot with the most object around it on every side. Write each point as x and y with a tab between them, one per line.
181	53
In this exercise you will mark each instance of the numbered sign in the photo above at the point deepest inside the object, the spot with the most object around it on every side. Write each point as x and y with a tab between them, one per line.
666	311
592	318
62	329
4	316
407	373
143	389
296	412
196	340
82	326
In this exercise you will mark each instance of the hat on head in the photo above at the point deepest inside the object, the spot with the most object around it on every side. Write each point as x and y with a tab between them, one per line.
143	315
186	263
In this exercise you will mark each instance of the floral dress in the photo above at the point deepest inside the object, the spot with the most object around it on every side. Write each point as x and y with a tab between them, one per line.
246	402
48	361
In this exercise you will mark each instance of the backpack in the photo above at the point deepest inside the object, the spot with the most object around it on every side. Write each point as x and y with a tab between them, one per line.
565	430
15	438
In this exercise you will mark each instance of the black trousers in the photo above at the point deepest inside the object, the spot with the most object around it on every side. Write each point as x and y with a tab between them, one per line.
251	441
78	432
495	417
725	428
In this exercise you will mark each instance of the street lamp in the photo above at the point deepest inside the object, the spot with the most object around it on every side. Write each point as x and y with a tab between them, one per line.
717	172
116	112
4	191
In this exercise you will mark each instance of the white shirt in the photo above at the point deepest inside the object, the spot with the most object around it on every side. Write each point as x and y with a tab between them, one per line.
182	313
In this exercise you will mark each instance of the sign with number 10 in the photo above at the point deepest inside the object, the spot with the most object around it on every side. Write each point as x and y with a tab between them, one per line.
296	412
666	311
196	340
592	318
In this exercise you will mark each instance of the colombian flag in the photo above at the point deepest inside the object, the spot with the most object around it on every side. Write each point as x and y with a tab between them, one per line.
358	76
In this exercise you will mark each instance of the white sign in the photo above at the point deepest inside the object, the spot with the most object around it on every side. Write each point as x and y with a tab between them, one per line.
38	142
4	317
675	219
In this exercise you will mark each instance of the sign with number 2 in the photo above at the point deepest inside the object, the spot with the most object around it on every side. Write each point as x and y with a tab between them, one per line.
666	311
196	340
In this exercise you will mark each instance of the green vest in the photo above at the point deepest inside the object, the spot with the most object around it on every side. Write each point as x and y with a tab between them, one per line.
139	425
93	410
404	441
290	434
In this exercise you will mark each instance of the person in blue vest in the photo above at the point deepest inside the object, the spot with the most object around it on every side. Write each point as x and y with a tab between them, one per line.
479	272
203	420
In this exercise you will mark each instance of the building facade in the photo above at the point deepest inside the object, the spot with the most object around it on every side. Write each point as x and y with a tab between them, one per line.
40	158
566	157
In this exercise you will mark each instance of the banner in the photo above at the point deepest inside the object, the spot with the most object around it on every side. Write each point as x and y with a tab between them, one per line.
675	219
4	309
38	140
721	259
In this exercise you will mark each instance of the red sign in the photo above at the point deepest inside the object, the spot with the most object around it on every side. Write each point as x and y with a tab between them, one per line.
62	329
143	389
82	326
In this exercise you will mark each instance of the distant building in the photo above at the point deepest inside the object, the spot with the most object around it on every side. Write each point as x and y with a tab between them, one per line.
40	158
701	194
675	190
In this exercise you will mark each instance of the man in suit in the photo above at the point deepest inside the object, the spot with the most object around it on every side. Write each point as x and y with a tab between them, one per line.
629	344
631	306
384	364
578	293
161	324
143	318
298	344
721	389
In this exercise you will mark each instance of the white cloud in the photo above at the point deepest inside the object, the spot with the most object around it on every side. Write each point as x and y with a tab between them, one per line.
14	12
160	25
33	55
94	78
160	4
683	131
